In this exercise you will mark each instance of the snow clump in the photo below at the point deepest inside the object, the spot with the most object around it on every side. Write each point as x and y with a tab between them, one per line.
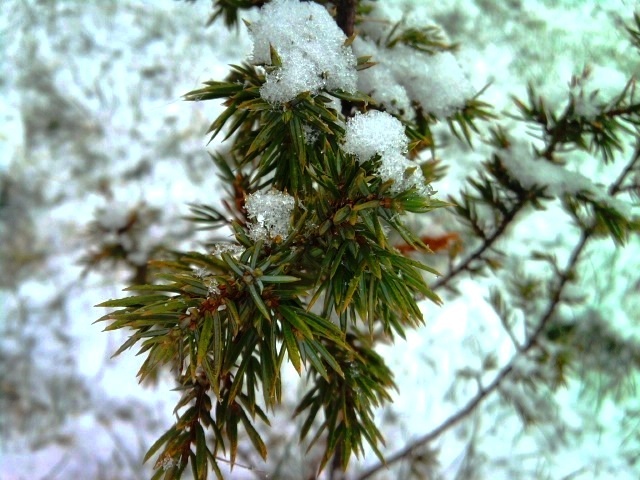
378	133
311	48
440	86
270	215
380	82
531	171
374	133
436	82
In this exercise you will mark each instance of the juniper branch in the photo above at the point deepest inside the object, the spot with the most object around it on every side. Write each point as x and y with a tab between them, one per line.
486	245
485	392
532	342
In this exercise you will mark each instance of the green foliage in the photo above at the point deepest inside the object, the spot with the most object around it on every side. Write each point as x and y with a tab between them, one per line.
634	30
429	39
228	10
598	131
495	196
228	320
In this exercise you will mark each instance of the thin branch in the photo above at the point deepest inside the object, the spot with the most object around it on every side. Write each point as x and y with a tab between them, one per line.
58	467
346	15
486	245
512	336
532	342
509	216
617	185
500	377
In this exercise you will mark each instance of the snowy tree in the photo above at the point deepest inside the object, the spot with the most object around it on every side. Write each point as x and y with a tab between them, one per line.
339	130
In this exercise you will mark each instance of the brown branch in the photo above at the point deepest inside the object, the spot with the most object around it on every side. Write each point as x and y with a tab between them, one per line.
346	15
619	112
531	343
346	20
617	185
488	243
483	393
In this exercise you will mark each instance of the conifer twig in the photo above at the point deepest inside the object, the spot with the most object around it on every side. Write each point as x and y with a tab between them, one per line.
486	245
485	392
531	343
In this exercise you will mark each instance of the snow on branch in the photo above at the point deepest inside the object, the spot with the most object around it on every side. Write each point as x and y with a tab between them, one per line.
374	133
378	133
270	215
557	179
311	49
436	82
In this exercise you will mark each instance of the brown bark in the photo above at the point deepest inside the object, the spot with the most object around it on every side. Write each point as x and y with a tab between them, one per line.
346	15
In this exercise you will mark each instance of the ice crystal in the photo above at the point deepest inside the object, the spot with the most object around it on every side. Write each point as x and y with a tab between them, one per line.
269	214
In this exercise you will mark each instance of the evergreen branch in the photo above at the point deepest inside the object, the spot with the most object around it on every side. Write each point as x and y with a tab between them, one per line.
617	187
229	10
461	123
485	392
563	129
634	31
428	39
308	206
583	123
487	243
566	276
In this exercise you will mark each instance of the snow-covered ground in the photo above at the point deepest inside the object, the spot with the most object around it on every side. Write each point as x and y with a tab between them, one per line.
91	122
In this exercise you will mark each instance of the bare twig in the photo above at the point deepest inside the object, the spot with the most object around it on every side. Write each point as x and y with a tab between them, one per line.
617	185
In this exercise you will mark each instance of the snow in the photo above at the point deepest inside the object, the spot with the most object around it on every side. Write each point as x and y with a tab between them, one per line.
114	217
378	133
91	117
589	90
269	214
436	82
404	173
386	14
558	180
374	133
310	45
394	98
226	247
